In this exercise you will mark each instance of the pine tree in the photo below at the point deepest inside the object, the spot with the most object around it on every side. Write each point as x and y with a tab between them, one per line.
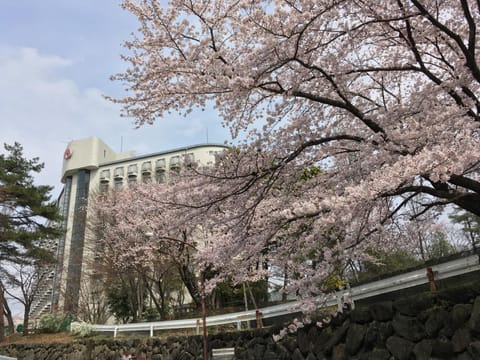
470	226
27	215
28	218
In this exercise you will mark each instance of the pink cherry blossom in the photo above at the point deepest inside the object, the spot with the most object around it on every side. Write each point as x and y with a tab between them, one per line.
344	112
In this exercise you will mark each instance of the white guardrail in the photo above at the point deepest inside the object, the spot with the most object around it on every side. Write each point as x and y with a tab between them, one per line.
402	281
3	357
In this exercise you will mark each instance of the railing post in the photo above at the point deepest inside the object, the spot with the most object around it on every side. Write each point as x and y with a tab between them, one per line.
258	318
352	302
339	303
151	330
348	297
431	279
239	325
198	327
115	331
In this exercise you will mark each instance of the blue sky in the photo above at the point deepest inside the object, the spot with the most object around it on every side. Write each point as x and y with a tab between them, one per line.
56	57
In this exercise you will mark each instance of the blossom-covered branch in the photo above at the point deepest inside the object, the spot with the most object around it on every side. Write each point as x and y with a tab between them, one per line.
346	105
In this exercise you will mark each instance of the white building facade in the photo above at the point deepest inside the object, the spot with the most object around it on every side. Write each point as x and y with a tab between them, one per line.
90	165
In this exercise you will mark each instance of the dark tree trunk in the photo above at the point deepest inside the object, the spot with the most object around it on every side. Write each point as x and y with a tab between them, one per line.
163	301
160	306
469	202
190	281
26	319
8	314
134	298
285	283
2	318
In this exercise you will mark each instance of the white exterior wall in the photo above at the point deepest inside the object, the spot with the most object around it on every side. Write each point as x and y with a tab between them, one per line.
88	153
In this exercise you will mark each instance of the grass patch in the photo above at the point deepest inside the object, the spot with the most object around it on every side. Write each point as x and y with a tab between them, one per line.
63	337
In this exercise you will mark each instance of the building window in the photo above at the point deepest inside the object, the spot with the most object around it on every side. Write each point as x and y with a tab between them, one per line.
190	160
119	173
147	172
160	165
160	171
147	167
132	173
132	169
105	175
118	183
104	180
118	178
175	163
75	261
103	186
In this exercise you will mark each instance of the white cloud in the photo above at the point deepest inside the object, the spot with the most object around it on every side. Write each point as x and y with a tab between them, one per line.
43	109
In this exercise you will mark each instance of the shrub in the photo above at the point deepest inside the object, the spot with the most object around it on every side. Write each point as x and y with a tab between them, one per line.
53	323
82	329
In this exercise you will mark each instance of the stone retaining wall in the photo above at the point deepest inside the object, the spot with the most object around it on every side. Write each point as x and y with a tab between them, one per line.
445	325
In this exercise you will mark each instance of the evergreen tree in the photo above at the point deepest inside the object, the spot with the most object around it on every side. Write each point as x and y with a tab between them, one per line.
439	246
28	218
27	215
470	225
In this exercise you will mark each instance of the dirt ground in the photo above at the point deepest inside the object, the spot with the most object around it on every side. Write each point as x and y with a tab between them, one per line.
38	338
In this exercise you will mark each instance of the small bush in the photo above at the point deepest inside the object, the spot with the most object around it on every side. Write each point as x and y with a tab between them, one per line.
82	329
53	323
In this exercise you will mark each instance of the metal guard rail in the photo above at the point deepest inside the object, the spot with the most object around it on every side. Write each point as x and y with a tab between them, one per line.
402	281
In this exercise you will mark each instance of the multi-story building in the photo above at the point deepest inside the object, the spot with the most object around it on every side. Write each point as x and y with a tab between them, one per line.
91	165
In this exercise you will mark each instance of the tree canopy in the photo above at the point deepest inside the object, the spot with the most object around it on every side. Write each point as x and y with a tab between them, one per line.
470	224
381	96
27	215
144	245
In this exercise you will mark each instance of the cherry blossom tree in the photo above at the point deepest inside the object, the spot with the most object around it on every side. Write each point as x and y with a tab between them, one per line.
120	269
382	97
134	235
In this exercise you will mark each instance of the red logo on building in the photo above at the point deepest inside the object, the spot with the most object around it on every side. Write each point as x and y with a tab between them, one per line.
67	154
